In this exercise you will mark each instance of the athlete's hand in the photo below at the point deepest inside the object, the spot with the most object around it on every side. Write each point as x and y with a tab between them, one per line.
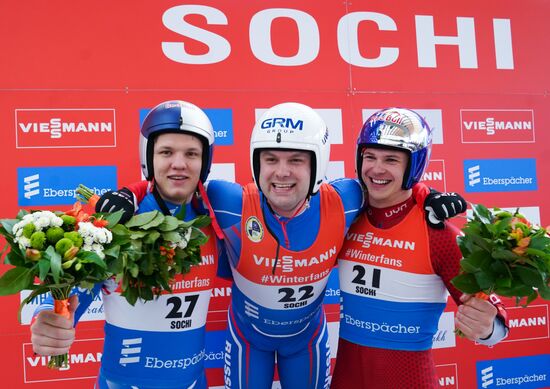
442	206
119	200
53	334
475	317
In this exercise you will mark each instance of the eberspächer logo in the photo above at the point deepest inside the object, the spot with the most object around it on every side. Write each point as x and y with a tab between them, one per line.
523	372
500	175
57	185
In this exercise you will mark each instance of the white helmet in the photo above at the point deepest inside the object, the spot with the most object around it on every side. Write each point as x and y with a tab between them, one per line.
175	116
292	126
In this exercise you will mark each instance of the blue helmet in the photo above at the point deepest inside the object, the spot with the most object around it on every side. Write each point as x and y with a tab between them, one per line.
175	117
401	129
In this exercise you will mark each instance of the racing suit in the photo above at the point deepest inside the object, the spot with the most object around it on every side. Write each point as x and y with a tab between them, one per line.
280	268
395	275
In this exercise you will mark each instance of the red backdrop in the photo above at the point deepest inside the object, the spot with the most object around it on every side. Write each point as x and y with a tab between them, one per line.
478	71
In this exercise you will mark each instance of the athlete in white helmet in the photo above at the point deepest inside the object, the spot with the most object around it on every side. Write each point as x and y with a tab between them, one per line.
144	345
282	234
395	270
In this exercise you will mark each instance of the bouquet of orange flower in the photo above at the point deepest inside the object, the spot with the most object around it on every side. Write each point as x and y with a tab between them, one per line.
504	253
55	252
153	249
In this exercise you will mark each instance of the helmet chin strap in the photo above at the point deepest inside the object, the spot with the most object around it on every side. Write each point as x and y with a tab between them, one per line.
160	201
215	225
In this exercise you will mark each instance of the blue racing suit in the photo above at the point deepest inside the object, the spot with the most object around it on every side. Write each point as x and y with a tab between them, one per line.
158	343
280	267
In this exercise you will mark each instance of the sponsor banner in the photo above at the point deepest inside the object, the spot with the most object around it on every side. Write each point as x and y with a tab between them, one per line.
433	117
221	119
222	122
435	176
65	127
447	376
445	337
527	323
522	372
497	126
222	171
57	185
500	175
335	169
84	360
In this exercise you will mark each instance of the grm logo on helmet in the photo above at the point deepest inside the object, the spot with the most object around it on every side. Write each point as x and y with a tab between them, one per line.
285	125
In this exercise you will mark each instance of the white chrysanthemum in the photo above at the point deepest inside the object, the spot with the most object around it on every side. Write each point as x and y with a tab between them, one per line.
44	219
88	240
103	235
23	242
185	239
98	249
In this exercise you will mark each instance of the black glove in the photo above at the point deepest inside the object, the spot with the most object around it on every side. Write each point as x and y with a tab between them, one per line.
442	206
118	200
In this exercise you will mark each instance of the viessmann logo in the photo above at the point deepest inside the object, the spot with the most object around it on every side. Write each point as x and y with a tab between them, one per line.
60	128
497	126
528	323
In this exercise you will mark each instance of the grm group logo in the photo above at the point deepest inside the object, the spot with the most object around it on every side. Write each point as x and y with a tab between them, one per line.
57	185
221	119
528	372
500	175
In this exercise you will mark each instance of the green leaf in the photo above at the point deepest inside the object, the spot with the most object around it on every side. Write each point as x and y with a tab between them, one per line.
504	254
159	218
16	258
151	237
91	257
15	280
141	219
540	243
181	214
113	251
531	297
485	280
170	223
530	276
466	283
202	221
8	225
137	234
483	213
113	218
474	261
172	236
503	282
545	293
55	262
44	268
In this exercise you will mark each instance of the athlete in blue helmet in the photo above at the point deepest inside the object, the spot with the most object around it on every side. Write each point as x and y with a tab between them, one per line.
143	348
282	234
395	270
